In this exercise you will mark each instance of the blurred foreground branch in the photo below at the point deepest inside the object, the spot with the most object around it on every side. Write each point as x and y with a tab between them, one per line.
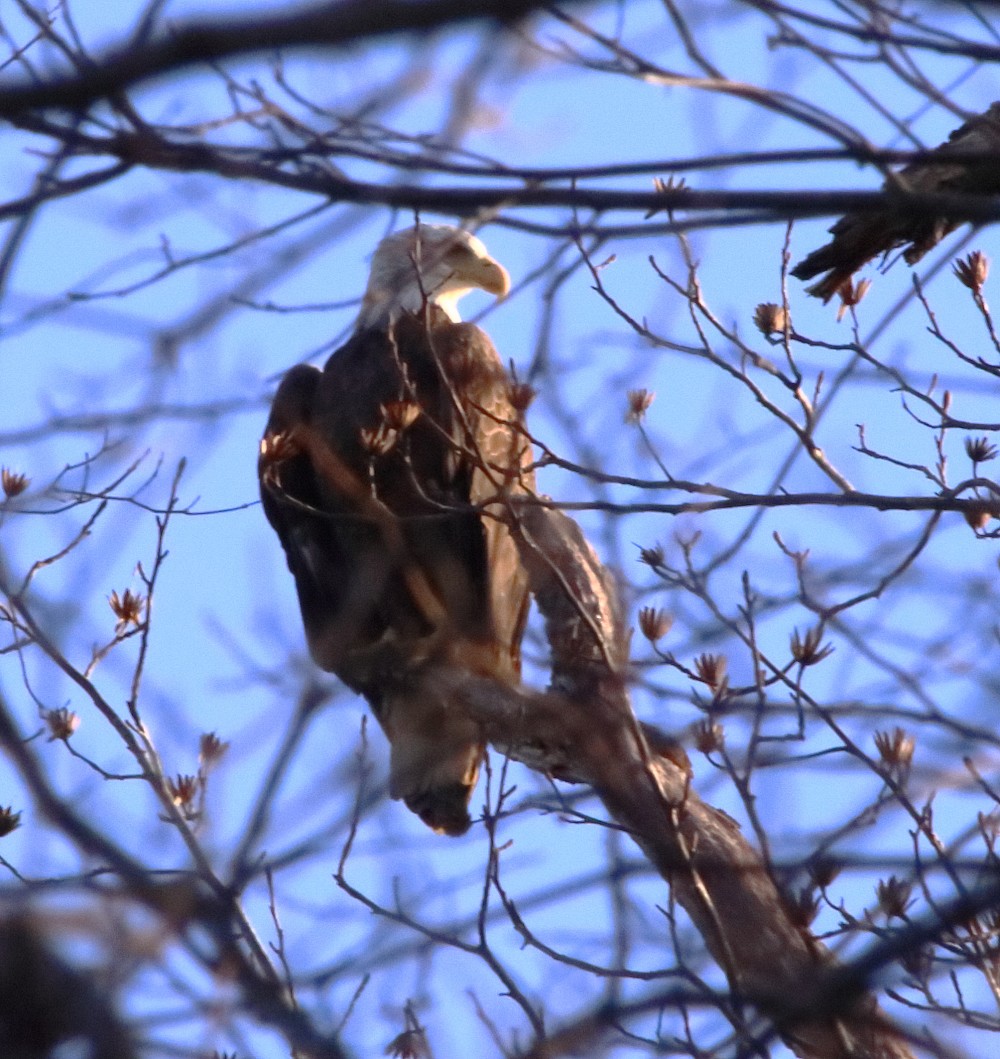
184	45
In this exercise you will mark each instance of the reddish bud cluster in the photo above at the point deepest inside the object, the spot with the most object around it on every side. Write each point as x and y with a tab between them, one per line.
399	415
520	395
823	871
895	749
851	294
893	897
62	723
638	405
980	450
654	624
14	484
709	736
711	670
770	319
183	790
380	440
806	650
211	748
127	608
9	820
653	556
410	1044
972	271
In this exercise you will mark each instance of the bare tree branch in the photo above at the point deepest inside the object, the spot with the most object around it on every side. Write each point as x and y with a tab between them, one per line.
330	24
584	729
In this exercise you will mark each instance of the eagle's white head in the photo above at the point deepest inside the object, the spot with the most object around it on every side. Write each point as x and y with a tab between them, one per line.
432	262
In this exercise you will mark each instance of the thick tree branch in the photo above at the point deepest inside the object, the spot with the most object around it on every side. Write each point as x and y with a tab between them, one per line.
321	25
718	206
154	149
584	729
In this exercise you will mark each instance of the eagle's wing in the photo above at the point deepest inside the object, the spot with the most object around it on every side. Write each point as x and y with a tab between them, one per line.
497	458
372	472
314	493
860	237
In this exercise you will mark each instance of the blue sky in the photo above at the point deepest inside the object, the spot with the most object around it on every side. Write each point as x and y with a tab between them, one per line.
226	651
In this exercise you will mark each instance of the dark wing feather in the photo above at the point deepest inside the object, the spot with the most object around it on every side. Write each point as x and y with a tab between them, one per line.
860	237
384	475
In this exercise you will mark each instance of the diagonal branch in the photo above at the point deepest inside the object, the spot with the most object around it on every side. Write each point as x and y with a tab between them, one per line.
583	728
182	902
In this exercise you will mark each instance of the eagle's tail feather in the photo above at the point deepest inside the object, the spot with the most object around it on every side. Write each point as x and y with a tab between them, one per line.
445	809
435	756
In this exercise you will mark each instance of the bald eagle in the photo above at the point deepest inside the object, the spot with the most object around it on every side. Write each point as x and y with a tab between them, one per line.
385	476
950	168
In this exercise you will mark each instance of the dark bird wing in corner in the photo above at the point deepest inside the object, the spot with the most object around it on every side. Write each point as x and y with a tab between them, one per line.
860	237
373	473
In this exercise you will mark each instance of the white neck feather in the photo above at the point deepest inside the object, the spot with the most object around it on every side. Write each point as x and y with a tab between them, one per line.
381	306
450	263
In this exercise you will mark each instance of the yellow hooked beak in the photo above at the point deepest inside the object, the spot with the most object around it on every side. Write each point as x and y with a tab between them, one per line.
492	277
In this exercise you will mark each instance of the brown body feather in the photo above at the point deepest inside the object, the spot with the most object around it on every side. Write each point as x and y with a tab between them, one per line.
372	473
860	237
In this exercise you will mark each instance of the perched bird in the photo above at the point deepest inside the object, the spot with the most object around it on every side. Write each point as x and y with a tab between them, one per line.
386	477
860	237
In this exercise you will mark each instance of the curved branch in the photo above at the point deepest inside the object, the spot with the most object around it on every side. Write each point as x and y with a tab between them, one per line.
583	729
325	24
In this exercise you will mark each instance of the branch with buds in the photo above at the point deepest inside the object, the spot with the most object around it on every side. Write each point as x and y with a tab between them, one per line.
583	729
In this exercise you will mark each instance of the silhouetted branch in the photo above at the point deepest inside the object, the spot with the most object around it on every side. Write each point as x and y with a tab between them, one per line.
327	24
720	207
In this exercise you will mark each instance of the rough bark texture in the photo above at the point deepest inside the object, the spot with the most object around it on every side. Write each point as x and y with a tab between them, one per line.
583	729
